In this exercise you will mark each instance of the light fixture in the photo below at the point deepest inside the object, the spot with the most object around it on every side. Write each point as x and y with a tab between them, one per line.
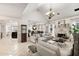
34	27
51	13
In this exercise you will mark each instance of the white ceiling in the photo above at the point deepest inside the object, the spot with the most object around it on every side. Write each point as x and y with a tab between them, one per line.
65	9
12	9
16	9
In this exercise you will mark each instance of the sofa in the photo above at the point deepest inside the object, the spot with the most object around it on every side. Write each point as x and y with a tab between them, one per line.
52	48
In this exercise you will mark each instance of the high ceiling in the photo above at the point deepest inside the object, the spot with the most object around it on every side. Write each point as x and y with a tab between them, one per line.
12	9
16	9
65	9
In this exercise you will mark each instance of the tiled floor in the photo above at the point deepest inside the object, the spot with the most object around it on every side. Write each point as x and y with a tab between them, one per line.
10	47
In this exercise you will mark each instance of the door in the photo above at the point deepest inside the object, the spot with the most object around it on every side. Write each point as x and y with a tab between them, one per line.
23	33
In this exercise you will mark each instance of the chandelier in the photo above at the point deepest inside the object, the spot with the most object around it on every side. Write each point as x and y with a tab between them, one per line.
51	13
